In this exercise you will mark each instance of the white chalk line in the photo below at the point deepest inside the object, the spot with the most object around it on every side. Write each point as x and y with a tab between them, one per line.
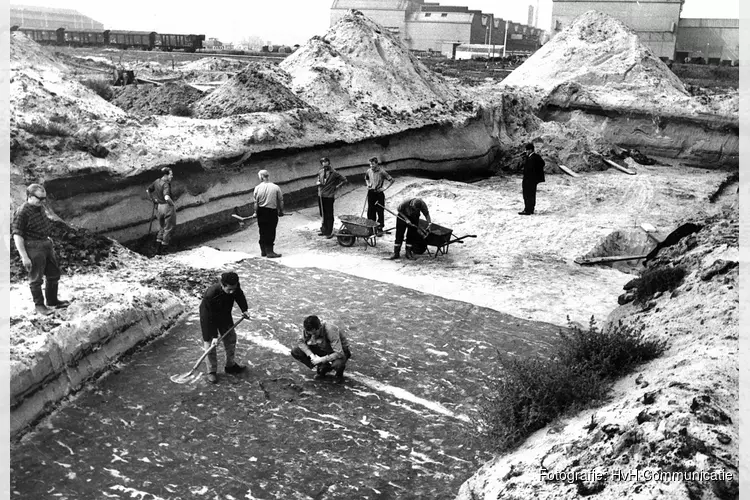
279	348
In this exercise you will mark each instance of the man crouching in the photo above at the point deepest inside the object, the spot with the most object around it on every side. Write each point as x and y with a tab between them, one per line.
322	346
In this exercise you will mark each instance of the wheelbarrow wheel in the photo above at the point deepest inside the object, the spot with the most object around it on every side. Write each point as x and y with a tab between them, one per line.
344	238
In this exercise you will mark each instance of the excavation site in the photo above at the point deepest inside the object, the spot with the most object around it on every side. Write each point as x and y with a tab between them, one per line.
457	386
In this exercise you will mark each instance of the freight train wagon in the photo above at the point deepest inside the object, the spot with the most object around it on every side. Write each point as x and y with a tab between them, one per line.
143	40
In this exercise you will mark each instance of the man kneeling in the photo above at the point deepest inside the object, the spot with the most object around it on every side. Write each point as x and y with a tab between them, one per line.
322	346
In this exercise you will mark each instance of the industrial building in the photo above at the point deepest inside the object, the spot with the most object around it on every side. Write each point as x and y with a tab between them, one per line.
428	26
45	17
717	41
659	27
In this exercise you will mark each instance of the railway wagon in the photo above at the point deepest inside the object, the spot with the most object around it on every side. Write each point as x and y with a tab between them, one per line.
169	42
43	36
144	40
84	38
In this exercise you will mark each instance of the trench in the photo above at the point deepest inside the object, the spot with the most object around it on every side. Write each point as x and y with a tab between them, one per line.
399	426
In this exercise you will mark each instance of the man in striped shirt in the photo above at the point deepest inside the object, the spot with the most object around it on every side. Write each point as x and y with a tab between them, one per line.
31	233
269	206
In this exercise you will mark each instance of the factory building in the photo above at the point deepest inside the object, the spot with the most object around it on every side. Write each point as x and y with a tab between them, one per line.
45	17
660	28
429	26
655	21
717	41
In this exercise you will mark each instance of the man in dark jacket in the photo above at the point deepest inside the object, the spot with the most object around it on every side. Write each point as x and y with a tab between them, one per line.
533	174
329	181
409	210
216	319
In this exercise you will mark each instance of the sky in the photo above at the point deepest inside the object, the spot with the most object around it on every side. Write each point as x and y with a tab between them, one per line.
292	22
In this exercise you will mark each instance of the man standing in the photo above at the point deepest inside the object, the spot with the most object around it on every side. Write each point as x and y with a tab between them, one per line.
533	174
216	319
269	206
409	210
322	346
328	182
160	192
375	177
31	233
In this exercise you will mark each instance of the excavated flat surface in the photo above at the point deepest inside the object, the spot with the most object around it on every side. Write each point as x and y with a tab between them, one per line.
397	427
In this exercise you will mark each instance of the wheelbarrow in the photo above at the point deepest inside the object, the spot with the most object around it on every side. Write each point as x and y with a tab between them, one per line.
438	236
353	227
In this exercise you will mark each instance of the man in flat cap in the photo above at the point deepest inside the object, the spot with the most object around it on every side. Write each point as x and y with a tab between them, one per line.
329	181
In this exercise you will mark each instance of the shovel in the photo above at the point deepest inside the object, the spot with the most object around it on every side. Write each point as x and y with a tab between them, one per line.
151	221
421	231
186	377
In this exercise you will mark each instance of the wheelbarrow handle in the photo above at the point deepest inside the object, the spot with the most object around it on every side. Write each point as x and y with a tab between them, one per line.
399	216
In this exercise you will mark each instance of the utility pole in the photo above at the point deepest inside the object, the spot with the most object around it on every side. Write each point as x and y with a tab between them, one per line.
505	42
490	25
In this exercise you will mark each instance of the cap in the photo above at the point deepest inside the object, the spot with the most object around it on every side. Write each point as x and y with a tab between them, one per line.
375	159
325	158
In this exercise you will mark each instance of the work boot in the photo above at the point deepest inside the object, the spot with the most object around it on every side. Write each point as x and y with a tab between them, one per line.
409	254
36	293
235	368
212	377
262	250
322	370
396	252
50	291
271	254
340	373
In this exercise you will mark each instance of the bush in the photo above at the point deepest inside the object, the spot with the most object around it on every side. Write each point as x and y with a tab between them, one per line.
607	354
531	393
660	279
181	110
101	87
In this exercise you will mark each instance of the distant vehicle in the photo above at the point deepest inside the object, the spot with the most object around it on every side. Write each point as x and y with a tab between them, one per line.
143	40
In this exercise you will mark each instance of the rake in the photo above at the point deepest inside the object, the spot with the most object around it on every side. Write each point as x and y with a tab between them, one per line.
186	377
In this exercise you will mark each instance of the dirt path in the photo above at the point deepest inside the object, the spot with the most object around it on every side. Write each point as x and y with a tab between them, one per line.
518	265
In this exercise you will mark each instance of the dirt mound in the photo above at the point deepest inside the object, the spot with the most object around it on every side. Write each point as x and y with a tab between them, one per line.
26	53
599	52
258	88
213	64
358	62
156	100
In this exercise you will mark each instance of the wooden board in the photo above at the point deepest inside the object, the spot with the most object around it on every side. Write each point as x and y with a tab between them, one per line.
618	166
585	261
568	171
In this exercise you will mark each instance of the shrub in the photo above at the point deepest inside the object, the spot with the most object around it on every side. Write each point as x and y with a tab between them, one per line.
608	354
659	279
531	393
181	110
101	87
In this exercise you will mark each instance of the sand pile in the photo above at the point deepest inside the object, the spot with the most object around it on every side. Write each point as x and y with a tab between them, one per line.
213	64
26	53
156	100
260	87
600	61
358	63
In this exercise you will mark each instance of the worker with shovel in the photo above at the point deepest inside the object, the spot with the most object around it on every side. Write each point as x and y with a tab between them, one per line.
408	216
160	192
216	319
375	178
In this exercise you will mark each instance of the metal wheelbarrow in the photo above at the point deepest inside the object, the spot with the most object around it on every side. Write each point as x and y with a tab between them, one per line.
439	237
353	227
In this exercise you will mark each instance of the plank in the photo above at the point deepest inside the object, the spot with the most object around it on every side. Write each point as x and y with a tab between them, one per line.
586	261
567	170
618	166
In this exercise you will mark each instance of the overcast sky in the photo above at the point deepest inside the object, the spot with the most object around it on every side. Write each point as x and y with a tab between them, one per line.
292	21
